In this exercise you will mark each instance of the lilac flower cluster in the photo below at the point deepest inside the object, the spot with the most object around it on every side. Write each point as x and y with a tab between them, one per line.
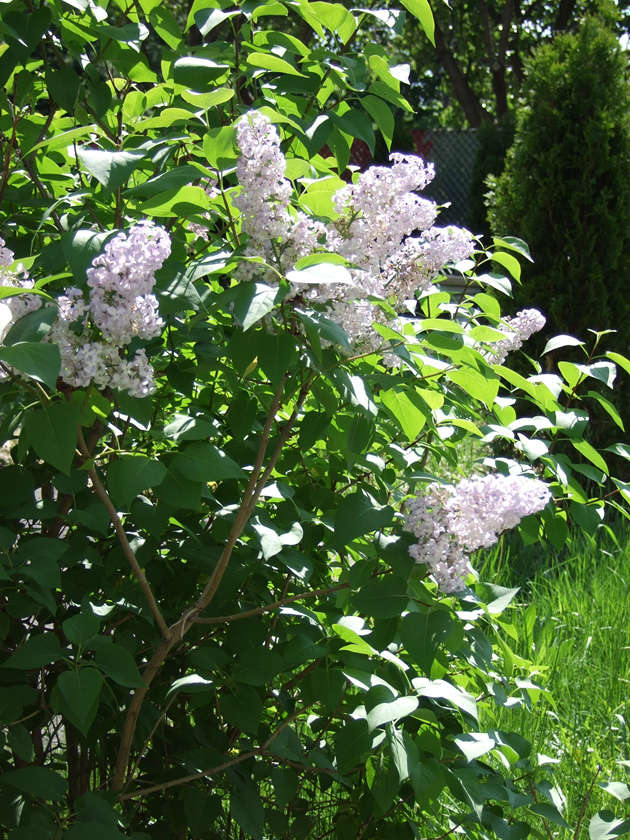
378	215
275	234
452	521
18	305
518	329
120	306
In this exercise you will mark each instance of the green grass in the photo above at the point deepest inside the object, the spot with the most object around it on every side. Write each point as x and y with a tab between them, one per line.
581	638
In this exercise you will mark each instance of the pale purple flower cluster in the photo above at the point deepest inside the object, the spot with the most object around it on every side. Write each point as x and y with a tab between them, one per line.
121	306
518	329
452	521
378	215
18	305
277	235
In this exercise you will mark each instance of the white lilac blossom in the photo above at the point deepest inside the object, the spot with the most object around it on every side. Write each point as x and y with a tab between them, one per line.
518	329
452	521
377	217
92	334
276	233
18	305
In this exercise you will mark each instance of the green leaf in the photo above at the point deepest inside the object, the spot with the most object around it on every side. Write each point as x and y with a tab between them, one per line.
64	86
352	742
36	652
175	178
21	742
36	781
605	826
382	597
620	360
128	476
549	812
382	115
327	685
97	831
219	146
276	354
179	492
39	361
254	301
357	514
619	790
111	169
383	707
509	262
185	427
204	462
442	690
423	633
285	785
481	387
81	690
322	273
247	810
561	341
32	327
183	201
266	61
407	409
52	432
422	11
81	628
591	454
258	667
242	708
118	664
198	74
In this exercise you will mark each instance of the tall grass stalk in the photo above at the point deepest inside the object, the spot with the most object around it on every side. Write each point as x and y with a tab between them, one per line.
573	620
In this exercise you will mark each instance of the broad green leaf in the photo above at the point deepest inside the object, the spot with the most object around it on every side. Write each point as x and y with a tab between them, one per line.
324	273
589	452
36	652
178	491
96	831
442	690
382	115
327	685
619	790
118	664
357	514
481	387
81	690
183	201
285	785
247	810
242	708
561	341
129	475
423	633
422	11
36	781
254	301
185	427
407	409
258	667
383	707
352	742
39	361
605	826
276	354
549	812
198	74
202	461
509	262
81	628
620	360
52	432
171	180
475	744
267	61
219	146
382	597
32	327
111	169
608	407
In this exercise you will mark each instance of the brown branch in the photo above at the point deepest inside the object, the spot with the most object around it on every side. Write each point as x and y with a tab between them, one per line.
225	619
186	621
140	576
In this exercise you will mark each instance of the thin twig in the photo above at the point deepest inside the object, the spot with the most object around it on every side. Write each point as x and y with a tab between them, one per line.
225	619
